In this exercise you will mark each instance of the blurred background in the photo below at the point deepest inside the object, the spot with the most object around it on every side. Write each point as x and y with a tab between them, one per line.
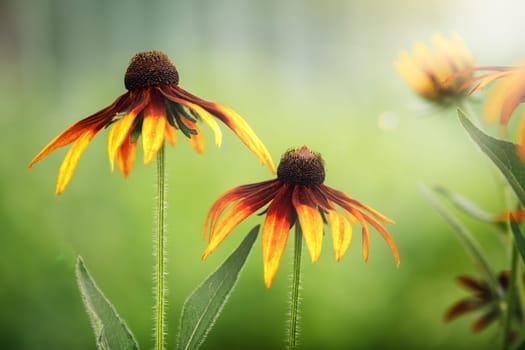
318	73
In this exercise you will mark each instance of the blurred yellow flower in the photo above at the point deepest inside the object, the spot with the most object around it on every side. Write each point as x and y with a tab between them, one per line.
431	73
296	196
154	107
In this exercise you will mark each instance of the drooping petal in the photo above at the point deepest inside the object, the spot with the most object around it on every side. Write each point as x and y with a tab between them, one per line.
93	122
171	134
71	160
171	94
364	231
239	211
121	128
320	198
343	199
196	141
514	96
472	284
341	233
126	156
310	220
237	193
153	127
461	307
275	232
485	320
235	122
386	237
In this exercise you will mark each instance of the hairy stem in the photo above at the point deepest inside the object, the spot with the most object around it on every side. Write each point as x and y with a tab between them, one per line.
294	294
159	251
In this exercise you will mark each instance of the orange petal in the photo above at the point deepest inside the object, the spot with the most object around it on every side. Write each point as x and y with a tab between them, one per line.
246	206
153	127
172	95
70	161
244	132
126	156
196	141
233	120
341	233
93	122
121	128
462	307
343	200
385	236
310	220
275	233
262	188
515	93
171	134
364	233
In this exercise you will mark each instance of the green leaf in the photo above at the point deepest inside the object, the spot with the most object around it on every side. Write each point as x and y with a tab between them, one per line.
470	245
466	205
111	332
518	238
502	153
204	305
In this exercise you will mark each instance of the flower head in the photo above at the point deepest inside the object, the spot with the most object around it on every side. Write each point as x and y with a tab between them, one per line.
431	72
154	107
296	196
482	298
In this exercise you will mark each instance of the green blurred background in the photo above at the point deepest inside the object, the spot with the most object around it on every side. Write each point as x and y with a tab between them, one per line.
300	72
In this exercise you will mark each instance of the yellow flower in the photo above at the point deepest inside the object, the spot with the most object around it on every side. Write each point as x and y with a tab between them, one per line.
154	107
431	73
296	195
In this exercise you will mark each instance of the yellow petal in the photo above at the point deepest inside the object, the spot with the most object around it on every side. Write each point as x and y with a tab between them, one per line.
126	156
121	128
365	234
386	237
414	74
310	220
153	127
70	161
341	233
246	134
171	134
275	233
231	219
197	141
210	121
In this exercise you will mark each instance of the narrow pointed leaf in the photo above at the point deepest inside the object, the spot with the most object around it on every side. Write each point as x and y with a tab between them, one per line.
204	305
470	245
111	332
518	238
466	205
502	153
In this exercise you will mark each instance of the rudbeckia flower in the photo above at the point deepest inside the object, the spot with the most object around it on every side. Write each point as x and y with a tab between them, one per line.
296	196
482	299
154	107
431	72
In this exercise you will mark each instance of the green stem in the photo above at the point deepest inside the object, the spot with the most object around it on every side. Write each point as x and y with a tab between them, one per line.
510	300
294	295
159	251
